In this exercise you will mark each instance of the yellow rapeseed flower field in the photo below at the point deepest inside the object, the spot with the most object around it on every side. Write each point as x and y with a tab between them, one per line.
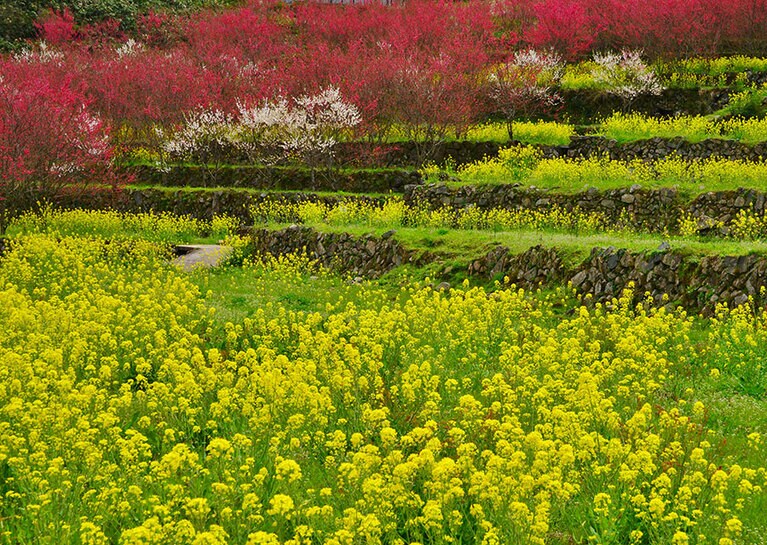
130	414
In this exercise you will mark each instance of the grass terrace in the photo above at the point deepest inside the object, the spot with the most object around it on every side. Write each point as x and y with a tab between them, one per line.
467	244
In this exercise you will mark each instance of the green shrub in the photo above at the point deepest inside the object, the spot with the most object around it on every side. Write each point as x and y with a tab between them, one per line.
16	23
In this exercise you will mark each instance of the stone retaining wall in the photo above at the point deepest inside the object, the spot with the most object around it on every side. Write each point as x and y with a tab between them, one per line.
654	210
667	276
664	275
462	152
657	148
367	256
204	204
283	179
402	157
530	269
583	106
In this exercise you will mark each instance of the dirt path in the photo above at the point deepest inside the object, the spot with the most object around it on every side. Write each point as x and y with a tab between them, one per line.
201	255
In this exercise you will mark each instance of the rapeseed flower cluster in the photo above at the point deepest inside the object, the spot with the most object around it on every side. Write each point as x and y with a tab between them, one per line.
634	126
745	225
394	213
527	165
130	414
156	227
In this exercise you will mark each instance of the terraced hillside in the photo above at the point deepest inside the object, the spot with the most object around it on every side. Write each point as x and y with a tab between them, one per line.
468	293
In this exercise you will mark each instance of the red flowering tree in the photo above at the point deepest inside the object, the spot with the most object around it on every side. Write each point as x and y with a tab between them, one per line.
51	144
566	26
57	27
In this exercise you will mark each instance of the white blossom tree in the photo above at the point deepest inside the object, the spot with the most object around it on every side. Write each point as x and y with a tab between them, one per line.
129	48
625	75
259	130
203	139
524	85
305	129
314	125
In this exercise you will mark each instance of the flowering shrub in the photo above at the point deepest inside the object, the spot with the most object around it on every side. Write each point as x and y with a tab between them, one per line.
664	28
564	25
128	48
259	130
131	414
150	86
422	66
432	95
57	27
425	69
40	53
203	139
